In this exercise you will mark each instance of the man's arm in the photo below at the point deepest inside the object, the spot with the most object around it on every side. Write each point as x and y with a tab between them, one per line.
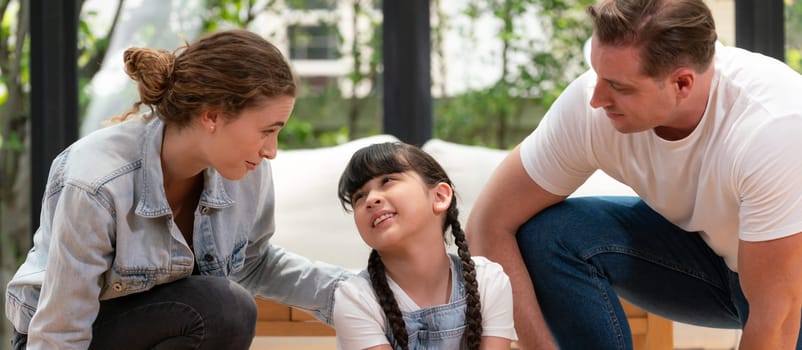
494	343
509	199
771	278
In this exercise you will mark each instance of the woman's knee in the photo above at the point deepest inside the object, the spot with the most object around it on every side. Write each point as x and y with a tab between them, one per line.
242	301
230	298
230	318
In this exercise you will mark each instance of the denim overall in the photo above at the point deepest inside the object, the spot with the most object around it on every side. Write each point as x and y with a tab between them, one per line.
438	327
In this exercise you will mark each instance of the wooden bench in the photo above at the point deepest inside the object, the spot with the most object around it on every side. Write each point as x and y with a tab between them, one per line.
649	332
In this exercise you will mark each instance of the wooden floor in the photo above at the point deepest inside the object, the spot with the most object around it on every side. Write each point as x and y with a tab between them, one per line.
293	343
325	343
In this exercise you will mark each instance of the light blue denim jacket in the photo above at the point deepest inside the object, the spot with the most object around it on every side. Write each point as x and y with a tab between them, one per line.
106	231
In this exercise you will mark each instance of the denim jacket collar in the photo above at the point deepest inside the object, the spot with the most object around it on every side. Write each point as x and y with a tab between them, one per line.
153	199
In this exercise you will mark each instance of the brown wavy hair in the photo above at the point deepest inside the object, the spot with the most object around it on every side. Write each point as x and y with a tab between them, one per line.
670	33
226	72
395	157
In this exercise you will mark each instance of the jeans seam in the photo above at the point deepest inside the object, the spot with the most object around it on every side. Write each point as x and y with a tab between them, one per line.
619	335
651	258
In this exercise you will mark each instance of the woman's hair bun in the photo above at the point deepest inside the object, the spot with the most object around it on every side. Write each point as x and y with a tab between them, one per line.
152	70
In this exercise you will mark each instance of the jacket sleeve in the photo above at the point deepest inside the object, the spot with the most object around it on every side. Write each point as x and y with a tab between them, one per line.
274	273
80	251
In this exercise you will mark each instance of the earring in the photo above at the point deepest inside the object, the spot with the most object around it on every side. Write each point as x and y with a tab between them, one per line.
211	128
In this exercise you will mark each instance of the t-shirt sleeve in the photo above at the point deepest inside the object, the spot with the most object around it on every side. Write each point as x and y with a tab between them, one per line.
495	294
358	318
769	182
557	155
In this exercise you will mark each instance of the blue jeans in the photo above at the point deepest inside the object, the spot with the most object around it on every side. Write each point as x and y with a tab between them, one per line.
198	312
585	252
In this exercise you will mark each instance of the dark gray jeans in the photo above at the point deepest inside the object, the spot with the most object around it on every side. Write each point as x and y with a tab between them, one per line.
198	312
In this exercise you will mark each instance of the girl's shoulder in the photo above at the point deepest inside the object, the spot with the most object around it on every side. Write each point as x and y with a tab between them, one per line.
355	292
356	284
486	264
489	273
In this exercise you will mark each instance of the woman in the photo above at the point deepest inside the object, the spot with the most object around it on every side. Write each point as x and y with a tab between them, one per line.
143	221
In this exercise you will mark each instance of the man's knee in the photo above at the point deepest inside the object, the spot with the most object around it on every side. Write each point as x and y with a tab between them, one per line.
566	219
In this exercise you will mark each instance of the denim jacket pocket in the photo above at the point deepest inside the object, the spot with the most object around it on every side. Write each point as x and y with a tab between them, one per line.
237	260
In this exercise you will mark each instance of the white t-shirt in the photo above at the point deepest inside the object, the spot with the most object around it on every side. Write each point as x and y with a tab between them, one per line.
359	319
737	175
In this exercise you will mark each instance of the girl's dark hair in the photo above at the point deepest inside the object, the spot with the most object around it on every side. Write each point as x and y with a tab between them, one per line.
670	34
396	157
226	71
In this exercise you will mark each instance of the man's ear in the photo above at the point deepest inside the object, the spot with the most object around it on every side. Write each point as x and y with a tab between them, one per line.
442	197
682	81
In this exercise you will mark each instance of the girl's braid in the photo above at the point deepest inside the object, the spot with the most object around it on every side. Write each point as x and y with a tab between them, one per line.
387	300
473	313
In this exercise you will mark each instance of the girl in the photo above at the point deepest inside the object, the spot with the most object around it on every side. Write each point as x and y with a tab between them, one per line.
147	224
413	294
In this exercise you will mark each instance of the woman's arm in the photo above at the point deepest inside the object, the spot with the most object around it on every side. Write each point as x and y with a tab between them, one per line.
293	280
274	273
80	252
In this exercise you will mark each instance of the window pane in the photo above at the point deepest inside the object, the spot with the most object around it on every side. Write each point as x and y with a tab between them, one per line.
318	42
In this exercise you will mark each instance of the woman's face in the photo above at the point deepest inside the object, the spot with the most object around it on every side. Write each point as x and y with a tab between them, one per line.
241	143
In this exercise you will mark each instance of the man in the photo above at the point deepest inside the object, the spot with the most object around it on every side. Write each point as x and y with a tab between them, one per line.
708	136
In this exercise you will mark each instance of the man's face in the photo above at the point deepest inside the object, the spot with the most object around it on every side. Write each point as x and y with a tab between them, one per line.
632	101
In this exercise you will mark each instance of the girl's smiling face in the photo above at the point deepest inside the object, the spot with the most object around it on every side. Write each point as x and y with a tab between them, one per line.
392	208
239	144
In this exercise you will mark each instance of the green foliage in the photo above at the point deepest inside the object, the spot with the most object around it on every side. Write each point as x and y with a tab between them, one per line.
793	33
320	116
223	14
793	23
13	143
312	4
14	89
3	95
494	116
794	59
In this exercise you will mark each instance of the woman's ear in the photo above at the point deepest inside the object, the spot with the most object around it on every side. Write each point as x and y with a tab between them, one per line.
442	197
209	120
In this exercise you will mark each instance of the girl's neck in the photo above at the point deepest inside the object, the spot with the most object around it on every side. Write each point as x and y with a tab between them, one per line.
424	276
